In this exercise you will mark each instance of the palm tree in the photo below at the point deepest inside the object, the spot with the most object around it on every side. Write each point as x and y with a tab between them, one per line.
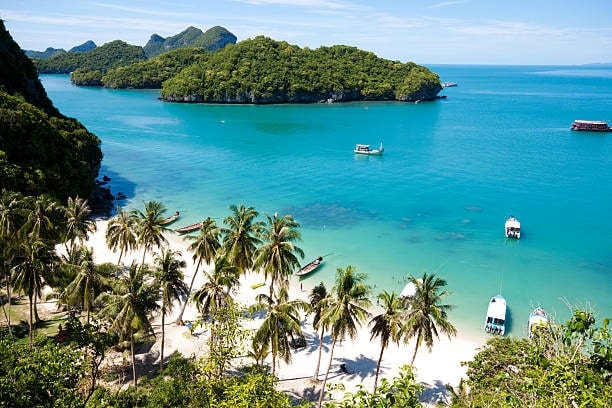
129	307
215	293
240	238
89	282
277	255
150	227
121	233
427	315
387	325
28	273
42	216
345	311
318	298
171	281
78	222
281	324
204	248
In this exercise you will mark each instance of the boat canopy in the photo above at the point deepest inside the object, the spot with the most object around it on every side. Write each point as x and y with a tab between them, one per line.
513	223
497	308
409	290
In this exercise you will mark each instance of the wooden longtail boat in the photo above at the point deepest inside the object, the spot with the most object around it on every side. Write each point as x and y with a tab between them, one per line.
171	219
310	267
189	228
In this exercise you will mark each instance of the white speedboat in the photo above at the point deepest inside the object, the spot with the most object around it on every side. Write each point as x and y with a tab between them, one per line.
538	320
513	228
495	322
366	149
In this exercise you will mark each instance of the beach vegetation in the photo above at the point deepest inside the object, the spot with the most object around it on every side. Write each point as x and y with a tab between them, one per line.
171	280
318	299
345	311
78	223
121	233
427	312
150	227
241	236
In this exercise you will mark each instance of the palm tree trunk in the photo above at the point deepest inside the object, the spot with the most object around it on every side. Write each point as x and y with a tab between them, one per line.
316	373
163	322
382	350
331	357
416	347
134	373
30	323
120	256
179	319
7	316
36	317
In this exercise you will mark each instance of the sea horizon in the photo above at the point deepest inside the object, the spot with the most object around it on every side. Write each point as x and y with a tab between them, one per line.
436	201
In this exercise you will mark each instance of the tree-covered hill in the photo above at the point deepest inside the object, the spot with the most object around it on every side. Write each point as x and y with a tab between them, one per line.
213	39
41	151
151	72
262	70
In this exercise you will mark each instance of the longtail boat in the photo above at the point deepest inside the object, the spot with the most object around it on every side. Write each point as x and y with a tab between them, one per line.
171	219
310	267
189	228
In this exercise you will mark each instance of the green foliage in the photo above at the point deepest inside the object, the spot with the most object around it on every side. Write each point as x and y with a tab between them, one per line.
213	39
46	375
567	366
152	72
262	70
402	392
103	58
40	153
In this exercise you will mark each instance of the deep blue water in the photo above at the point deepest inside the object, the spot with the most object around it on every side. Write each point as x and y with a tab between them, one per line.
452	171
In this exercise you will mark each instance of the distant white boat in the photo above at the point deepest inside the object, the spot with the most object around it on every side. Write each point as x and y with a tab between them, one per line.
365	149
513	228
495	322
409	290
538	320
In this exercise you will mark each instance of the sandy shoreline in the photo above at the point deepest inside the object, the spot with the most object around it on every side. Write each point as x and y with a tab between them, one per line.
441	366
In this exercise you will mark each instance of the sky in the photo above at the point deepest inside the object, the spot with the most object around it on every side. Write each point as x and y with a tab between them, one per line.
517	32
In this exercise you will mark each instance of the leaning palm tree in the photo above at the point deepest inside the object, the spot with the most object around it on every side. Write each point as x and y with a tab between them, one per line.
345	311
216	292
129	307
204	248
427	315
121	233
240	238
78	222
387	325
150	227
281	324
28	273
278	254
318	298
89	282
171	281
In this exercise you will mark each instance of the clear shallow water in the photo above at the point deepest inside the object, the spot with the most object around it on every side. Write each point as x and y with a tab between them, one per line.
452	171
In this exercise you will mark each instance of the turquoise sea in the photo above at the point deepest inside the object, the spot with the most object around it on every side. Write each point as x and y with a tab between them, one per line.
452	172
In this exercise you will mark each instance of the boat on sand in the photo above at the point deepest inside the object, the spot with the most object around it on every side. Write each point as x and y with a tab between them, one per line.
495	322
310	267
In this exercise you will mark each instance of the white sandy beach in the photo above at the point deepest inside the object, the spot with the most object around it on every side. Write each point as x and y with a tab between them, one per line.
441	366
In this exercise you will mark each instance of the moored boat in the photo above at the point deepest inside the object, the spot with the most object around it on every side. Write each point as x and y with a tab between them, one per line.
513	228
171	219
448	84
189	228
366	149
591	126
310	267
495	322
538	320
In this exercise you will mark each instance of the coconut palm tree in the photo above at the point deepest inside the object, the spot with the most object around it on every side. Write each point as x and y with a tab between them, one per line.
240	238
121	233
129	307
78	222
36	256
171	281
278	255
427	315
387	325
345	311
216	291
150	227
318	298
89	282
281	324
42	219
204	248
